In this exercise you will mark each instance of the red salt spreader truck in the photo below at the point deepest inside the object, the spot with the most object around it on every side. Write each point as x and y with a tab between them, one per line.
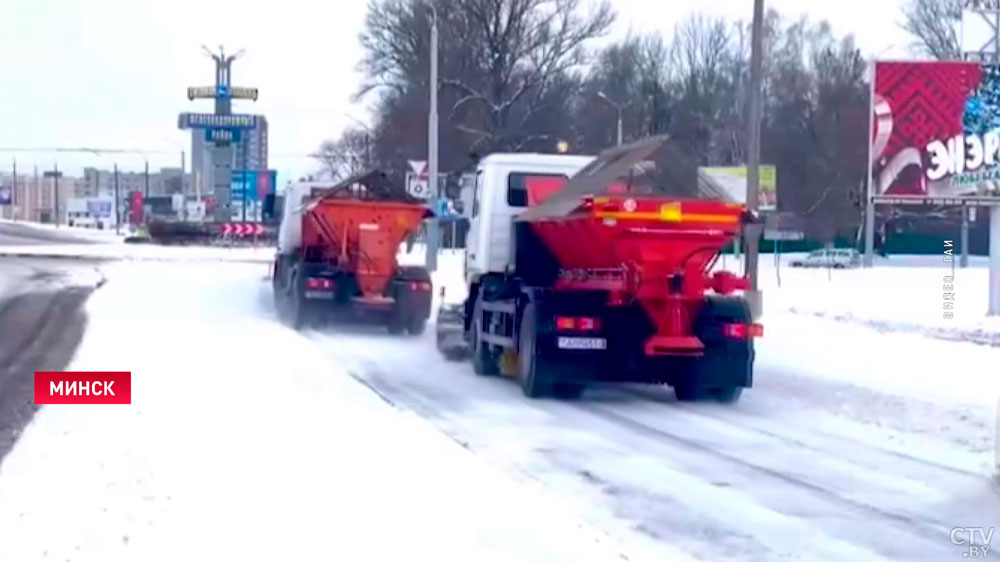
337	255
605	276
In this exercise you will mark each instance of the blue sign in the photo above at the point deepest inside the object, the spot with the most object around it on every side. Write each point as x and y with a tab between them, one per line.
6	195
445	210
222	91
258	184
222	135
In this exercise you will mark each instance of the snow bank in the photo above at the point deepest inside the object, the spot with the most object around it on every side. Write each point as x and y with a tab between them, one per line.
144	252
245	441
901	294
73	231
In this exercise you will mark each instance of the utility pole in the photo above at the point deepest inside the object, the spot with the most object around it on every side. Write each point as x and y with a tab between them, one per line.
118	202
618	108
433	228
36	188
146	178
753	230
13	194
55	178
245	183
964	258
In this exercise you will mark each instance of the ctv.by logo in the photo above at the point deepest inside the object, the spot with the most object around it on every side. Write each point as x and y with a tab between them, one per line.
967	537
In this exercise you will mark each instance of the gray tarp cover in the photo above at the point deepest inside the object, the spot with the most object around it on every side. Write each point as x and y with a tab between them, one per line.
656	166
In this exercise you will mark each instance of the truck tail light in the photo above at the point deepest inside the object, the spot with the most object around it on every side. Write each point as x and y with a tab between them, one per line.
319	283
743	331
577	324
421	286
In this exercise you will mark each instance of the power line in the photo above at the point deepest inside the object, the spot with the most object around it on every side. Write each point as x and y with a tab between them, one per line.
90	150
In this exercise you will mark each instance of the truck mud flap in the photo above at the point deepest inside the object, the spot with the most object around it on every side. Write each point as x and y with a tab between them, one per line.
450	332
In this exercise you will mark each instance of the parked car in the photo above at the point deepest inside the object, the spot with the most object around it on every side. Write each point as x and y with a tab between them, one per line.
832	257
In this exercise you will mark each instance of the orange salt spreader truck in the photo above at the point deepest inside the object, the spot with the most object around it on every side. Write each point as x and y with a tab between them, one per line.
585	270
337	255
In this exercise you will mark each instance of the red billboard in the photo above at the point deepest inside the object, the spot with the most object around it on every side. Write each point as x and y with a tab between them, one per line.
935	132
135	207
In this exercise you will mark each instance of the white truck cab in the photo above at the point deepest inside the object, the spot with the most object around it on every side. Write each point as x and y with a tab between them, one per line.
500	193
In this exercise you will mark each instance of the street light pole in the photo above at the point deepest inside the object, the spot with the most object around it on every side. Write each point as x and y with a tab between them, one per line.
118	204
618	107
432	145
753	230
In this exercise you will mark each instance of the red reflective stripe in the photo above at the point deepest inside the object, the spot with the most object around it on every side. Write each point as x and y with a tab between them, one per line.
578	323
565	323
742	331
319	283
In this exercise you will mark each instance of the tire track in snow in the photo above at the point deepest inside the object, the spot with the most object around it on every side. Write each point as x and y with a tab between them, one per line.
707	498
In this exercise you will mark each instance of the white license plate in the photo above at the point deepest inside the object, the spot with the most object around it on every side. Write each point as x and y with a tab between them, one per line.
319	295
565	342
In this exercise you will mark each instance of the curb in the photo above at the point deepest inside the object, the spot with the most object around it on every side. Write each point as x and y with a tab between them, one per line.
133	258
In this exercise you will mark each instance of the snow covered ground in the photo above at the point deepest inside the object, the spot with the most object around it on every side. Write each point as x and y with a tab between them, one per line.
246	441
854	444
901	294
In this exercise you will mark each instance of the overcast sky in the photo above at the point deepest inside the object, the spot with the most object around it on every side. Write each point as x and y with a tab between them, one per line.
113	73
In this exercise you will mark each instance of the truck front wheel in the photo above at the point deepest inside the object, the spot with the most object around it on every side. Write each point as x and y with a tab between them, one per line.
484	361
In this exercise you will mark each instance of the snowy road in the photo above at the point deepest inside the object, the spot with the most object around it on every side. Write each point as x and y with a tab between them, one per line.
803	468
41	323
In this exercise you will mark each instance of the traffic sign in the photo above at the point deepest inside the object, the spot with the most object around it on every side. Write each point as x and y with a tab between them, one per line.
418	167
418	186
242	229
6	195
214	121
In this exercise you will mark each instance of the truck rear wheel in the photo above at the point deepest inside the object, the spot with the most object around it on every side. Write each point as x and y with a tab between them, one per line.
484	361
725	395
531	371
568	390
416	326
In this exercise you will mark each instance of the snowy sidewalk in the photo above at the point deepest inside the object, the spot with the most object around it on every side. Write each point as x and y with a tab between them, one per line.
244	442
142	252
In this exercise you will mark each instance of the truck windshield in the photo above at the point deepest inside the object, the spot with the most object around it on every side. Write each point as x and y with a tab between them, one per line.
528	190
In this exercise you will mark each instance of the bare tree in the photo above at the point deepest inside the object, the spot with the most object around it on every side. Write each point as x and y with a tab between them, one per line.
933	24
516	51
347	156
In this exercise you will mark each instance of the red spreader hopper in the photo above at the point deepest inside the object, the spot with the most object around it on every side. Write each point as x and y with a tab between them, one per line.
641	245
363	237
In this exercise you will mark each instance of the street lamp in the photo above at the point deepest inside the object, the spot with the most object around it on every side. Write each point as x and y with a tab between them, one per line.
753	230
432	143
618	107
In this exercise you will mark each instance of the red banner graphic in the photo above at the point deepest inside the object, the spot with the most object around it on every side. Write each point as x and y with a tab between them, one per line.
67	387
